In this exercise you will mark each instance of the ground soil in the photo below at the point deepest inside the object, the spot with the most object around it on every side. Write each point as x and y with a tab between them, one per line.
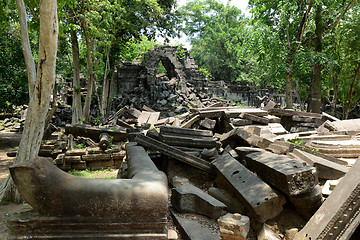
8	142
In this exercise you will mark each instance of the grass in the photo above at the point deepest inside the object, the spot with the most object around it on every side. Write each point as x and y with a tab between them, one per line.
105	173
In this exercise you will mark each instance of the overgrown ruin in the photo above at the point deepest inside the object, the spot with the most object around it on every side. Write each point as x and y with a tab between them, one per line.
234	171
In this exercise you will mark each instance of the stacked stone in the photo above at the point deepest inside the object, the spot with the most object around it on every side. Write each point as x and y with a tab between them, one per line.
90	158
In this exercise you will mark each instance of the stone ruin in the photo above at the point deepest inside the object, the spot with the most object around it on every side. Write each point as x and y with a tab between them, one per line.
181	86
139	83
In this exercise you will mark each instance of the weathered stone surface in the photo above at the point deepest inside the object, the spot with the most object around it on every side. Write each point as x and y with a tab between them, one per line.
325	169
29	225
178	181
192	230
291	233
231	202
188	198
94	132
186	132
254	118
339	149
208	124
189	123
307	204
145	194
266	233
288	175
195	142
174	153
240	122
209	154
259	198
339	216
234	226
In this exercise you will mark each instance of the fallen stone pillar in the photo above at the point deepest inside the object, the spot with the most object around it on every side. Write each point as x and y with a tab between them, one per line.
339	216
261	201
186	132
289	175
194	142
94	132
174	153
188	198
82	203
325	168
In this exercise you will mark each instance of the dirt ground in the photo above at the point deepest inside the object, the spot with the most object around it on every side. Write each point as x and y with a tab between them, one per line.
8	142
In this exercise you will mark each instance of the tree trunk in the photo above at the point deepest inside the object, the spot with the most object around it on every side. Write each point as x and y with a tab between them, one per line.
347	110
76	103
42	89
105	89
316	97
334	100
90	82
288	88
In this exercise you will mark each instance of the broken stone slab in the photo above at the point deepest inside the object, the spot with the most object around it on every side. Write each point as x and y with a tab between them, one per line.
190	122
261	201
234	226
338	149
270	105
174	153
343	125
329	186
94	132
209	154
195	142
266	233
239	137
280	147
255	118
178	181
207	124
325	169
273	119
232	203
192	230
240	122
339	216
186	132
289	175
291	113
188	198
307	204
133	113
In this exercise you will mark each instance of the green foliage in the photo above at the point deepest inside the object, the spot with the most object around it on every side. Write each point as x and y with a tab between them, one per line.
13	75
79	145
105	173
180	53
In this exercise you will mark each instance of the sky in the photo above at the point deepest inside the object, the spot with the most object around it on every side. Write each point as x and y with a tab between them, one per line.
241	4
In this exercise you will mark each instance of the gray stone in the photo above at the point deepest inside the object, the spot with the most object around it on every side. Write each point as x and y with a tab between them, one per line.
291	233
325	168
163	102
289	175
178	181
208	124
174	153
188	198
260	200
307	204
338	217
233	205
192	230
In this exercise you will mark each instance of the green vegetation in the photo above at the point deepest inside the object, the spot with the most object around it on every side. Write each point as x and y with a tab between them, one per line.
105	173
309	48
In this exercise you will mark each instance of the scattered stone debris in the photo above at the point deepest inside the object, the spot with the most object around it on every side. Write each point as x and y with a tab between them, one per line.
241	167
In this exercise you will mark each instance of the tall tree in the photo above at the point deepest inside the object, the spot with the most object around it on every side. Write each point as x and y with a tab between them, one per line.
292	22
215	31
40	81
